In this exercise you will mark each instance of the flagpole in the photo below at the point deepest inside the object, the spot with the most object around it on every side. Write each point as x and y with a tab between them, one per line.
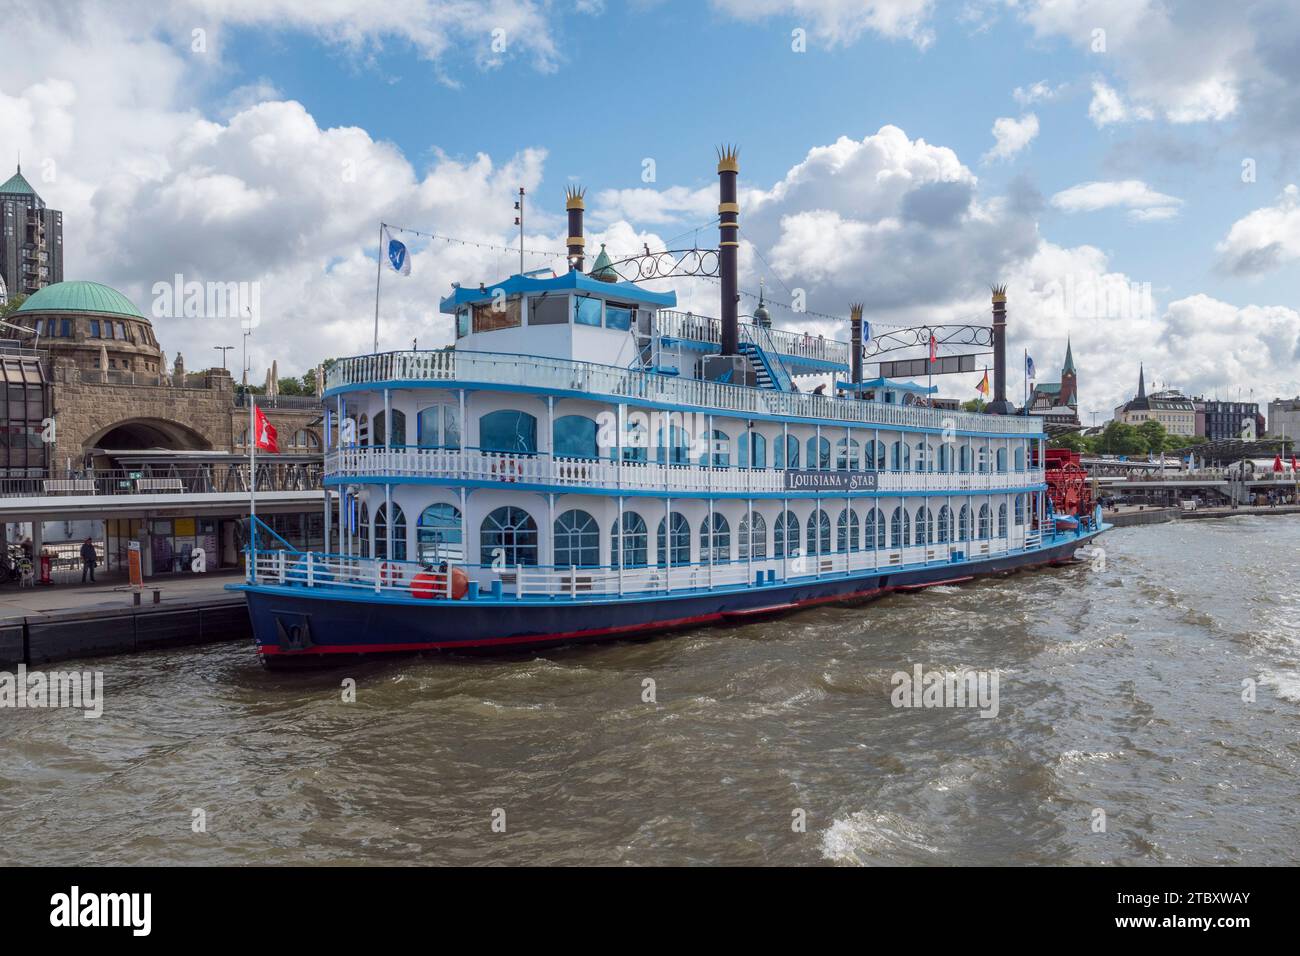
252	488
379	271
1026	391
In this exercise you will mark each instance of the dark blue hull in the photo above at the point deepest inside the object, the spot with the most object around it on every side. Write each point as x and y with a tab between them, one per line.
295	626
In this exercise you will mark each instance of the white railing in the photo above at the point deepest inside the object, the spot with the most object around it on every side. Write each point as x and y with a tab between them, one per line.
590	379
702	328
453	464
412	579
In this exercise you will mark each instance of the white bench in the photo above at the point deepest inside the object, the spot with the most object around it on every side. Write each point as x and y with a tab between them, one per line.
159	484
69	486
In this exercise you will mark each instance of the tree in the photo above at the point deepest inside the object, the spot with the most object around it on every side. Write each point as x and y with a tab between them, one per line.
1154	435
10	307
1073	441
974	405
1118	438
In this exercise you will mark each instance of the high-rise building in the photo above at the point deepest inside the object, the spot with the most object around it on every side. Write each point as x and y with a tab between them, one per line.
1284	418
31	238
1219	421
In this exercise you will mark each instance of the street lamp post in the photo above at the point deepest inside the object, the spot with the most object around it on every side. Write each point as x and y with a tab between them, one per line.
223	349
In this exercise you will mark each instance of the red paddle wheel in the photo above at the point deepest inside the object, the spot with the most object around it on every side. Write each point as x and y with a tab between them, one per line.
1067	482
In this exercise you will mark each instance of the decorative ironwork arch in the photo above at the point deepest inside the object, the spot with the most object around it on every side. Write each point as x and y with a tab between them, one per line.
919	336
669	264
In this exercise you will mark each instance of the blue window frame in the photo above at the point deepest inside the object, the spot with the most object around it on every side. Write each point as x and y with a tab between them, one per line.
394	437
438	426
753	453
787	452
586	310
900	460
899	532
680	544
847	531
438	535
634	541
508	430
819	533
575	437
399	533
846	455
752	536
924	530
618	316
673	446
719	451
508	534
715	540
819	453
785	536
577	540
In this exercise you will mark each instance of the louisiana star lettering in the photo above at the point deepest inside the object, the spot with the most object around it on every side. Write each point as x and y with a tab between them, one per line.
830	481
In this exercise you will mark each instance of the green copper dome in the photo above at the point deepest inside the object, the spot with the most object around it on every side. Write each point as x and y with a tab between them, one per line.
80	297
600	269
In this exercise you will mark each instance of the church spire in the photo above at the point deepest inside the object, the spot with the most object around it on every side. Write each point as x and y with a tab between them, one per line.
1142	389
1068	369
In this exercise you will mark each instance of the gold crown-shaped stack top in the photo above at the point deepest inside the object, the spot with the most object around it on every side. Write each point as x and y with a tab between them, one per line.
573	197
728	159
999	293
855	309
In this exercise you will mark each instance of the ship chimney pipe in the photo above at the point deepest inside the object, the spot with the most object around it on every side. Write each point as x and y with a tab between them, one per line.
573	202
728	246
1000	405
855	342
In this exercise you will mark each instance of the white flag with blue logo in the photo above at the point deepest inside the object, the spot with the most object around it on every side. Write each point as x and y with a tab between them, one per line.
1029	368
396	253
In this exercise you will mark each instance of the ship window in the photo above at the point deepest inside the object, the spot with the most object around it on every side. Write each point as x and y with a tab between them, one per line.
497	314
924	452
819	453
753	450
363	430
586	310
674	447
963	463
752	537
634	540
785	536
963	524
548	310
508	535
945	457
983	459
875	456
636	438
618	316
1002	521
1020	458
438	536
924	532
986	522
715	540
847	531
846	454
719	451
1020	510
577	540
363	530
874	530
680	545
819	533
787	452
1002	460
898	528
394	437
574	437
945	524
429	427
901	456
399	533
509	431
462	322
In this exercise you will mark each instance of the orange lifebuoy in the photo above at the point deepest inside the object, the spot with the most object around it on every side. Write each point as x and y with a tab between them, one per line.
432	584
507	469
389	573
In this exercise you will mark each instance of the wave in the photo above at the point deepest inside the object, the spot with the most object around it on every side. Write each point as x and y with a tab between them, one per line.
864	838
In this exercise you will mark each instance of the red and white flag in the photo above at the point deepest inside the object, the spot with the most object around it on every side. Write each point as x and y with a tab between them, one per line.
265	432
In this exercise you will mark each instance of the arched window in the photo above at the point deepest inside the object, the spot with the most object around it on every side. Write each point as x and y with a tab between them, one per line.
680	545
574	436
399	533
1002	460
900	457
963	523
438	426
963	459
438	534
1020	510
718	453
1002	520
924	531
983	459
634	540
715	540
363	430
874	529
787	452
363	530
785	536
875	456
673	447
819	453
1020	458
819	532
986	522
945	525
945	456
509	535
753	452
847	531
922	461
899	528
752	537
508	430
577	540
394	437
847	455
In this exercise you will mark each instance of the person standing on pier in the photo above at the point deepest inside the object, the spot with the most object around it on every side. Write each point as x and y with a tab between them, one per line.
89	560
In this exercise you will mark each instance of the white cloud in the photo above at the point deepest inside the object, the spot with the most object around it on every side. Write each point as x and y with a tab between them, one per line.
840	22
1011	136
1264	239
1040	92
1142	202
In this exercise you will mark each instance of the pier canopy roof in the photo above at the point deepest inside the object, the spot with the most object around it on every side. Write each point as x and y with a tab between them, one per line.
889	384
569	282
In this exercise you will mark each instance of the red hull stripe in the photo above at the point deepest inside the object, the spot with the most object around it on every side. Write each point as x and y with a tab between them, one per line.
273	649
935	584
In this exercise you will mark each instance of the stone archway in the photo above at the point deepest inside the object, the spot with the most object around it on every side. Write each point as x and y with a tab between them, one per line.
140	434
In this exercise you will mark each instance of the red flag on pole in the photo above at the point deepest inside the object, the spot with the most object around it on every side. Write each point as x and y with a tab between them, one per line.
265	432
1277	463
934	349
1293	464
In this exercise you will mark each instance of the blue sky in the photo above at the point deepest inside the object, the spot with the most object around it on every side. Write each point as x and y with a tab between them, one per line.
865	166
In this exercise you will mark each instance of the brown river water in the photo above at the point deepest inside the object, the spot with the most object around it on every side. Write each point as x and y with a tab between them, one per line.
1120	690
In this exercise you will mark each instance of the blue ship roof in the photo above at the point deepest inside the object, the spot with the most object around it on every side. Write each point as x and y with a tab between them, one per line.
573	281
876	384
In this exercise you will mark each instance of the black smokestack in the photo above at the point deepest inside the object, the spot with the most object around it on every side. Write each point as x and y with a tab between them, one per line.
728	246
1000	405
855	342
574	204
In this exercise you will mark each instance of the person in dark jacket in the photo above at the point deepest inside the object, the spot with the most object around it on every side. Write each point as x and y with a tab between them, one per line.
88	560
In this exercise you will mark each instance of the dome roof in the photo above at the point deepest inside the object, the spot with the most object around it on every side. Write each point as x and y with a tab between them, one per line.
80	297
